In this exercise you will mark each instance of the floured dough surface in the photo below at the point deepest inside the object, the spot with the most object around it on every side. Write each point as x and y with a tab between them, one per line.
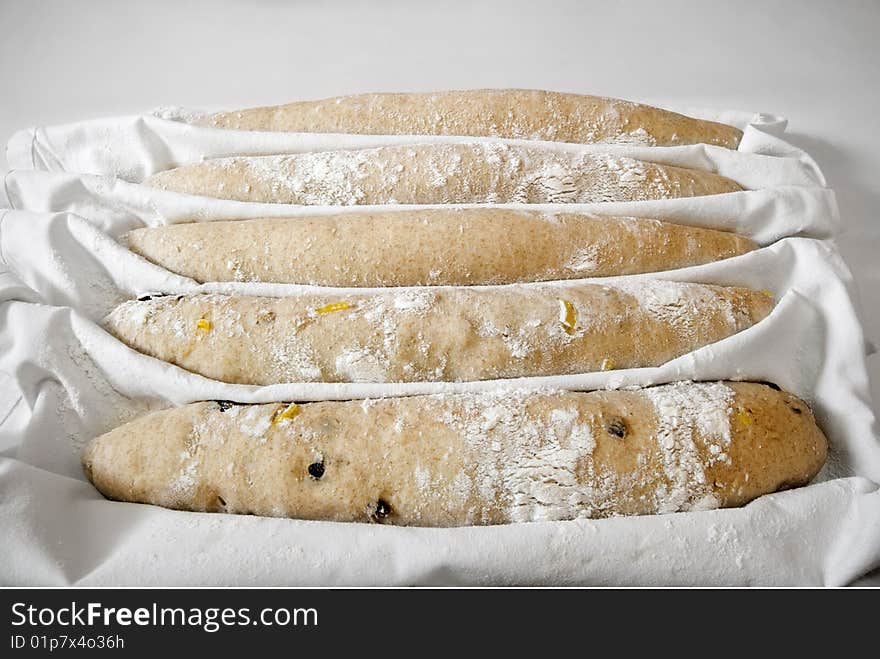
442	334
464	459
506	113
460	173
453	246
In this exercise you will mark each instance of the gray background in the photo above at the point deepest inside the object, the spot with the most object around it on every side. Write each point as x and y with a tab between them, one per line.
815	62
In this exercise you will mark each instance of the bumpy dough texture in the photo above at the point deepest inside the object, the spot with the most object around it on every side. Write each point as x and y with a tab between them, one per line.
461	173
429	247
453	460
443	334
507	113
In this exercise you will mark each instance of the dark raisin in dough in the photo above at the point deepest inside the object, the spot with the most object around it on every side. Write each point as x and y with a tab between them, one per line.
383	509
316	470
617	428
224	404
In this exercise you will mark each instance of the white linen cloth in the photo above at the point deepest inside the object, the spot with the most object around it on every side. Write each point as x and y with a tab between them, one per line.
65	272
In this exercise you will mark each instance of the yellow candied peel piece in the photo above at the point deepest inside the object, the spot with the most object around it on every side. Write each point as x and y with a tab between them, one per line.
204	325
567	316
744	418
767	292
288	412
608	364
333	306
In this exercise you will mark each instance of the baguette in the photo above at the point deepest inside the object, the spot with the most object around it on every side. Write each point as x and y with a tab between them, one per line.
429	247
506	113
442	334
453	173
467	459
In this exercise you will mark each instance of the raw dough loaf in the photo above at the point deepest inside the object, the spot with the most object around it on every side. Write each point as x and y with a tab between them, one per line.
435	334
508	113
429	247
463	173
452	460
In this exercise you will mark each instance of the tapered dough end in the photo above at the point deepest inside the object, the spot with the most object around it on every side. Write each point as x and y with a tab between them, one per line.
758	304
128	463
776	444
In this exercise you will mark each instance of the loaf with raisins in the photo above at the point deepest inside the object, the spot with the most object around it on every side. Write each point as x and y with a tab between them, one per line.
436	334
468	459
